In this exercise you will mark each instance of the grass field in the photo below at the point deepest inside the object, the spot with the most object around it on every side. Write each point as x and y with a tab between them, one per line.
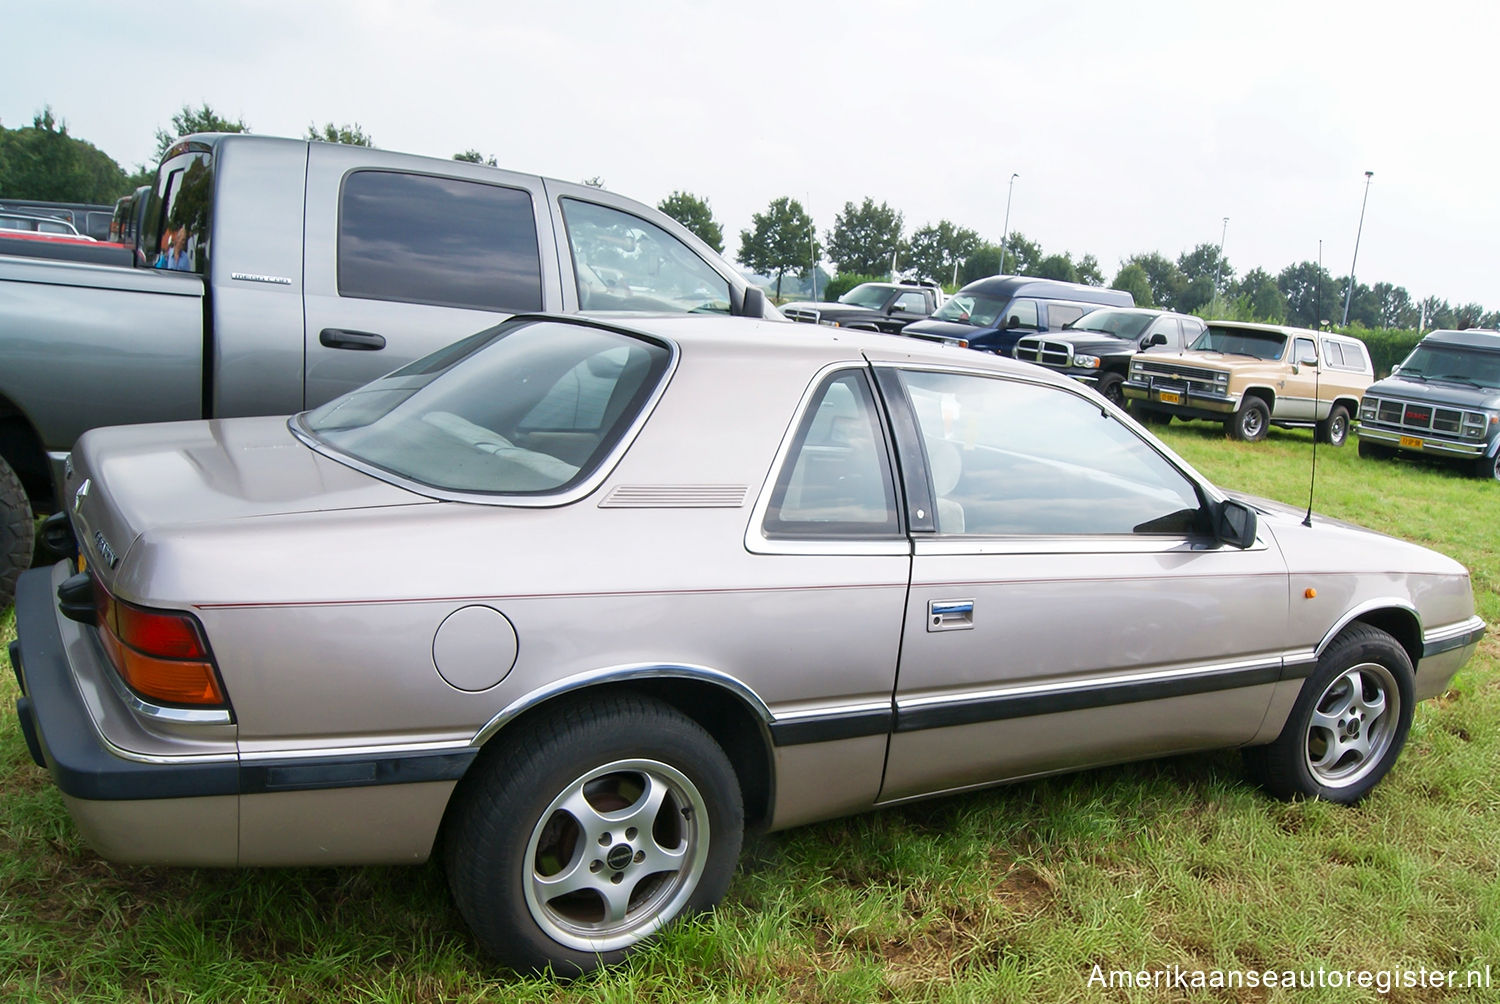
1013	894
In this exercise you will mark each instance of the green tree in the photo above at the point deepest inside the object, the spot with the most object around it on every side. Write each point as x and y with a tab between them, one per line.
349	135
1022	256
1437	313
1310	293
1057	266
983	262
934	250
1132	279
1164	276
1197	296
190	120
1396	307
1088	271
1262	297
1206	262
42	162
781	240
695	214
865	238
472	156
1364	306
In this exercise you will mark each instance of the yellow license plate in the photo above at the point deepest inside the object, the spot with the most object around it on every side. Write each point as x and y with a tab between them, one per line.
83	563
1411	442
1168	397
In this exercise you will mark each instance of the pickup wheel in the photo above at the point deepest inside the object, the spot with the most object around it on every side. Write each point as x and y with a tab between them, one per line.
588	830
1334	430
1251	423
1488	467
1348	725
16	530
1111	386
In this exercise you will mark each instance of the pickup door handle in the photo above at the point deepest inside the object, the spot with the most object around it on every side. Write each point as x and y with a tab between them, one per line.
950	615
339	338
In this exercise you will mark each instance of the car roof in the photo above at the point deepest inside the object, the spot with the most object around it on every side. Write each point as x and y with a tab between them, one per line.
1474	338
1017	285
817	345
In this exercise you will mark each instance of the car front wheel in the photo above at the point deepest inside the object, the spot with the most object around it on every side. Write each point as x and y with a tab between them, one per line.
16	531
1348	725
589	830
1488	467
1251	422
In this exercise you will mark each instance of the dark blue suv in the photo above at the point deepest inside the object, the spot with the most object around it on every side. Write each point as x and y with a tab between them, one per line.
993	314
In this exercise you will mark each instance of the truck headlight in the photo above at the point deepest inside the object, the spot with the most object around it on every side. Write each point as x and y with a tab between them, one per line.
1086	362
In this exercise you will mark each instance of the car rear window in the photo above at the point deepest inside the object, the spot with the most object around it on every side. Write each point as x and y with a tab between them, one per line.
532	407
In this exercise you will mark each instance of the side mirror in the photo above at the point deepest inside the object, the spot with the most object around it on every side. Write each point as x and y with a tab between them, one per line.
754	303
1395	370
1154	340
1234	524
1307	357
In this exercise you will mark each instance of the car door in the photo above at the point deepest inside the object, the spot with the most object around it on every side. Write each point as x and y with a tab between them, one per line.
911	305
1298	399
401	261
1068	606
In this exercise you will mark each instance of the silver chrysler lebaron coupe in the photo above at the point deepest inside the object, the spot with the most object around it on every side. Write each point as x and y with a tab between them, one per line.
590	599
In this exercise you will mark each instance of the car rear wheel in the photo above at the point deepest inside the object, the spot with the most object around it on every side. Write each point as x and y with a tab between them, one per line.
1334	429
1251	422
16	530
1348	725
588	830
1488	467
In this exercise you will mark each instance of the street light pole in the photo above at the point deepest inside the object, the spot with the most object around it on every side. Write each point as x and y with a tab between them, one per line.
1350	295
1218	272
1005	238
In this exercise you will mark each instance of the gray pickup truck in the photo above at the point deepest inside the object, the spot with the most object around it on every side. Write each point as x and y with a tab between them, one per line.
270	275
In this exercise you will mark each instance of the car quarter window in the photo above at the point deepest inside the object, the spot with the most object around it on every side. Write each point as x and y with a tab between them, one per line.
836	479
1333	354
1009	457
415	238
622	262
1059	314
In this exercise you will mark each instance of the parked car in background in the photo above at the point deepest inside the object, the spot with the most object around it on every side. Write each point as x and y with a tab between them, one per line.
993	314
1253	376
271	275
1097	347
1443	401
593	597
85	218
871	306
26	223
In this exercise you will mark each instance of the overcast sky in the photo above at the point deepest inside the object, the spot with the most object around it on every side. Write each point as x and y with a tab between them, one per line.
1133	126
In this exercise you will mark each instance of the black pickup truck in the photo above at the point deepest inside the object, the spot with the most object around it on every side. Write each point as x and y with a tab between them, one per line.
872	306
1097	347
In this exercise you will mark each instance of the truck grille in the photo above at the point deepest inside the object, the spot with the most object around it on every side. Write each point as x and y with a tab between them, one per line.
804	315
1173	375
1422	417
1058	355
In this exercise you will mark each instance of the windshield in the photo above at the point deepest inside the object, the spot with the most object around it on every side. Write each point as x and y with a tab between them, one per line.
1241	342
1117	323
1460	364
867	294
530	407
971	308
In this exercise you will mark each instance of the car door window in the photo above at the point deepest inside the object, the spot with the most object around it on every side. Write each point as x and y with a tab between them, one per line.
414	238
1021	314
1009	457
912	303
836	480
1168	328
1302	348
622	262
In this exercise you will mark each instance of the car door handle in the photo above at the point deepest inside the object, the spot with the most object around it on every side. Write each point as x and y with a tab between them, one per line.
339	338
950	615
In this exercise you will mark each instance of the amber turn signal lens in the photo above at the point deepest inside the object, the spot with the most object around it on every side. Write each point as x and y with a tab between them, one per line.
1310	593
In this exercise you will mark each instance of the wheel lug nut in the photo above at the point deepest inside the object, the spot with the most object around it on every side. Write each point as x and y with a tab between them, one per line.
630	833
616	878
640	856
604	840
595	865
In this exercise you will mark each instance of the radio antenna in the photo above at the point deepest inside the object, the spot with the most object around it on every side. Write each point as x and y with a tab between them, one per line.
1317	385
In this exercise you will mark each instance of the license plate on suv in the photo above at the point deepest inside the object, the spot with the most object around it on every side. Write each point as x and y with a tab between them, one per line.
1169	397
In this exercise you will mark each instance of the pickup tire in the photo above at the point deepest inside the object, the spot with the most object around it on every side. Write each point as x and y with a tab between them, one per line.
1334	430
1488	467
16	530
1111	385
1251	423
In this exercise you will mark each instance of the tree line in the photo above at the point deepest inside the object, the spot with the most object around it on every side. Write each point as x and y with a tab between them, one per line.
44	162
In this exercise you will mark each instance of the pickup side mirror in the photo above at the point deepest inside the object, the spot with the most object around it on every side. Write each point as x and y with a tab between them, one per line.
754	302
1234	523
1157	339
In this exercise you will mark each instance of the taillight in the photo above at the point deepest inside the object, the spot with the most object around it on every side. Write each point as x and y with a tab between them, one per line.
161	654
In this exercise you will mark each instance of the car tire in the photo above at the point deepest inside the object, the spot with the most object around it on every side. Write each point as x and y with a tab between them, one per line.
621	799
1150	416
1374	451
1347	726
1488	468
1111	385
16	532
1334	430
1251	422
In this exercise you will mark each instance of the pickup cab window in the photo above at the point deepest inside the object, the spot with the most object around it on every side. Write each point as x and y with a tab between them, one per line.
177	218
622	262
414	238
912	303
